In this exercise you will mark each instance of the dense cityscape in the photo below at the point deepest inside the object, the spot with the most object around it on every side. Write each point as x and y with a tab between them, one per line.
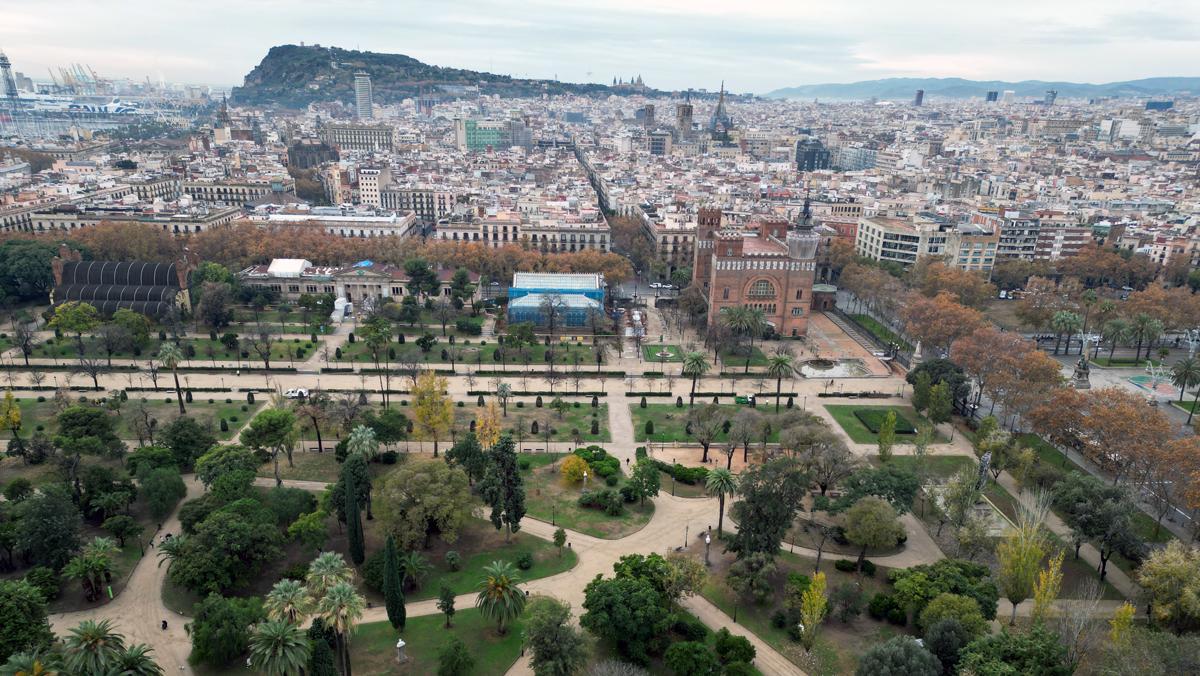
373	366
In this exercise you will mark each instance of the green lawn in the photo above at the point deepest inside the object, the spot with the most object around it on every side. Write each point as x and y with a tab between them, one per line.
650	353
670	423
473	350
42	414
198	351
479	544
881	332
731	358
574	418
550	498
939	466
858	432
373	648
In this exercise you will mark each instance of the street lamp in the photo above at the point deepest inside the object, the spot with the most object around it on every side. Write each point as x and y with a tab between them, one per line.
686	526
585	479
707	542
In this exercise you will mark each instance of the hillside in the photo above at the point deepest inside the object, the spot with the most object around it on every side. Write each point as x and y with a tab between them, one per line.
294	76
952	87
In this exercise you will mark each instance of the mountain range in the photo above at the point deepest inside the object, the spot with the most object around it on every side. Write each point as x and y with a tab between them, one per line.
295	75
903	88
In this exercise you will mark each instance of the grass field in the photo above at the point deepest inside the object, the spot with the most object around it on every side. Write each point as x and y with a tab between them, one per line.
858	432
670	423
283	351
881	332
473	350
550	498
650	353
35	414
373	648
731	359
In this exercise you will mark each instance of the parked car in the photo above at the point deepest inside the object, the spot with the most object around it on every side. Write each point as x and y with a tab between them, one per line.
296	393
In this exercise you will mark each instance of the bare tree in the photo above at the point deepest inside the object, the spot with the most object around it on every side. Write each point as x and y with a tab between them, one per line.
152	369
92	367
471	380
347	409
261	345
37	376
113	338
143	422
25	340
1077	624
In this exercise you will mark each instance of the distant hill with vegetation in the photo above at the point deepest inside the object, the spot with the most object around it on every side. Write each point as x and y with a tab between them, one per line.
294	76
903	88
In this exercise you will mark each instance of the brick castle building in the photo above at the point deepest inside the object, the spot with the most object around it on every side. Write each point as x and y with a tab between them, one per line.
769	265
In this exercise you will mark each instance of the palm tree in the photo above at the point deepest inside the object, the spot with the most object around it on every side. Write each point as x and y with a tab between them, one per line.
778	367
694	366
326	571
1064	321
171	549
340	608
287	601
36	663
92	648
279	648
362	441
413	568
170	356
90	569
745	321
1184	374
721	482
500	598
136	661
503	392
1146	329
1114	331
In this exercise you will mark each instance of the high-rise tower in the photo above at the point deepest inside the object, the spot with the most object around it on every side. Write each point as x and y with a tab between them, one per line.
362	96
919	98
10	85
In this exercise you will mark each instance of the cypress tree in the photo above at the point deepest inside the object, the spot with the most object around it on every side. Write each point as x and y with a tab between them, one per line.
320	660
393	586
502	487
354	534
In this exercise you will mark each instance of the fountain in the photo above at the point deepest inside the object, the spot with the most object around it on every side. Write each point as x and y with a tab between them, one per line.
828	368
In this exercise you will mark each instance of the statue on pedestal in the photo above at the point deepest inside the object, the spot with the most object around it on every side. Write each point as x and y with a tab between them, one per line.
1080	378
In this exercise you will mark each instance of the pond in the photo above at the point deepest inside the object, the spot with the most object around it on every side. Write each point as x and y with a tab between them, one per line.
827	368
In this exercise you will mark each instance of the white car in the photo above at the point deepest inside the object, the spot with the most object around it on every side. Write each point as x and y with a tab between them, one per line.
297	393
656	285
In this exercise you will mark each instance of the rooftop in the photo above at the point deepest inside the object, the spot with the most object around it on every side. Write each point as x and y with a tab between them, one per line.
554	280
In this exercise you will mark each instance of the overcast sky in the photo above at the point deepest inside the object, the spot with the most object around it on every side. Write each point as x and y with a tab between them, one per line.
755	45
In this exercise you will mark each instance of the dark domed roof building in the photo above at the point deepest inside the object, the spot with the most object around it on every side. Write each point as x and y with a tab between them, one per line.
153	289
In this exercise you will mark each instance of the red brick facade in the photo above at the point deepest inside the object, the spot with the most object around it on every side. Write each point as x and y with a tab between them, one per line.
769	266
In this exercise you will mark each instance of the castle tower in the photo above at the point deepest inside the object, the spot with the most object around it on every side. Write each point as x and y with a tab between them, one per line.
708	224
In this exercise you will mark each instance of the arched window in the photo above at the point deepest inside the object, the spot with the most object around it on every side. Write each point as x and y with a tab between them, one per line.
762	289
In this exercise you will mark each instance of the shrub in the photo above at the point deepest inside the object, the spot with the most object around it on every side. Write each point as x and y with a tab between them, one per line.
224	425
453	560
643	404
678	402
628	494
649	427
846	601
250	396
44	580
606	499
524	463
520	404
689	627
881	604
595	427
479	401
389	458
351	338
897	616
538	402
297	571
731	648
611	480
373	571
525	560
845	565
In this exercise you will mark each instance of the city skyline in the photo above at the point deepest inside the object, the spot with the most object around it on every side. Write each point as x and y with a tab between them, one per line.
673	44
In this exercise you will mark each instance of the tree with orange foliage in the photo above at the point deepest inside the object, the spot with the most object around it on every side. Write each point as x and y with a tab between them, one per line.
986	354
932	276
937	322
1112	427
1041	300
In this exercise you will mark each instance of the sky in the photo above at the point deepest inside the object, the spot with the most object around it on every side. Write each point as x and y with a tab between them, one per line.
754	45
